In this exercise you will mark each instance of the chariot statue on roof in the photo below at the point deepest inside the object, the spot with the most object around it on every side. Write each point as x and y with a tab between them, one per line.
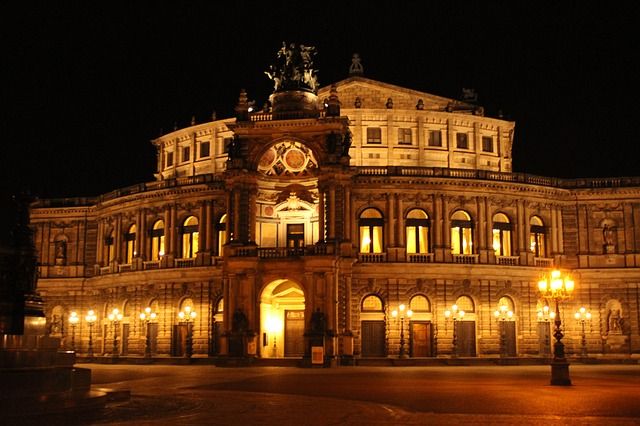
294	68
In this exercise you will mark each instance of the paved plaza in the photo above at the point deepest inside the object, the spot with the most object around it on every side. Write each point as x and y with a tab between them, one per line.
194	395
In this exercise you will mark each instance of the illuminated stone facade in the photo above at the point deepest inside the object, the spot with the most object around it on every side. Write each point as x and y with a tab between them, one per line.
286	228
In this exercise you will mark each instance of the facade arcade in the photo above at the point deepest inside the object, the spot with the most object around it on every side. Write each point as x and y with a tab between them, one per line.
306	223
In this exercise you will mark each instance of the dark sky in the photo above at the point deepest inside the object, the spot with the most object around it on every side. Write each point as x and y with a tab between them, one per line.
85	88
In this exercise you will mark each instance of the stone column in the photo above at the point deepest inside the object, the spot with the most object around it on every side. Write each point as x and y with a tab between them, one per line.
421	140
391	241
401	230
446	229
554	231
168	247
253	195
332	213
139	232
321	215
208	242
202	227
236	214
173	231
347	213
99	242
118	239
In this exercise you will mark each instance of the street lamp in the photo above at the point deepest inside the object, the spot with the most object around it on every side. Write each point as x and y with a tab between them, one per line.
584	316
147	316
188	315
502	315
115	317
456	315
73	320
558	287
91	319
401	312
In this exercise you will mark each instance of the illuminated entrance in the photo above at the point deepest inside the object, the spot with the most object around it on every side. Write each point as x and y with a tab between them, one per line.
282	320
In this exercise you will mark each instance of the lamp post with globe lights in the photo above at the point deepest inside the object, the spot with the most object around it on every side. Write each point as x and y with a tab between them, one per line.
583	316
147	316
401	312
456	315
115	317
558	286
73	320
188	315
91	319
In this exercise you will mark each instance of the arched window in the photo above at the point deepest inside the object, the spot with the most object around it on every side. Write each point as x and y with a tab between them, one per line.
417	231
190	237
109	252
461	233
157	240
372	303
220	306
130	244
501	235
465	303
537	237
371	225
419	303
222	233
505	304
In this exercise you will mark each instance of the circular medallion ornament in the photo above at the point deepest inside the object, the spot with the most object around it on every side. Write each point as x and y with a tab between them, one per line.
268	211
294	159
287	158
267	158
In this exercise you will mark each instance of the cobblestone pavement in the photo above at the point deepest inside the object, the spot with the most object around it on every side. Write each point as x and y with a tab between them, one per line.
195	395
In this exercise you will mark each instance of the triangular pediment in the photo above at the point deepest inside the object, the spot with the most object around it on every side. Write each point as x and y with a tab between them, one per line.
374	94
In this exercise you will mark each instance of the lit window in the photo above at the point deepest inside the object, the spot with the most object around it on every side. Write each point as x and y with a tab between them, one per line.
204	149
372	303
417	231
222	233
371	224
404	136
461	233
130	244
537	243
190	237
465	303
157	240
108	248
419	303
487	144
501	235
374	135
435	138
462	141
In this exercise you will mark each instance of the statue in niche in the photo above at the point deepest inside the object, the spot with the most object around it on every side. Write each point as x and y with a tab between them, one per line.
294	68
608	238
55	327
61	253
239	323
346	144
614	322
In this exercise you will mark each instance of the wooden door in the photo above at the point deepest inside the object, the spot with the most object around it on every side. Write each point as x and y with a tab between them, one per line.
544	338
294	333
124	350
153	337
420	339
373	339
466	333
509	333
179	340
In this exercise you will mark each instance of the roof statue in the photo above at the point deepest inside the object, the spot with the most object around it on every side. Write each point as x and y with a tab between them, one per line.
294	69
356	67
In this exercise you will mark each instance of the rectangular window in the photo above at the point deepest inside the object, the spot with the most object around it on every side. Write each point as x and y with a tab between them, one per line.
227	143
462	141
186	153
204	149
487	144
374	135
435	138
404	136
169	159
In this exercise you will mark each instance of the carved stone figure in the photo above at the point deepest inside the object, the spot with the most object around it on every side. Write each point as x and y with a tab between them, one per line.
356	67
239	323
615	322
61	252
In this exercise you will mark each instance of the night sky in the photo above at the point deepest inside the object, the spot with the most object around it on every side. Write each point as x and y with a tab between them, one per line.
86	88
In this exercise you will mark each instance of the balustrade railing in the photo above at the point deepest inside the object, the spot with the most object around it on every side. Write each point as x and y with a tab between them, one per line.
465	258
184	262
372	257
420	257
151	264
508	260
543	262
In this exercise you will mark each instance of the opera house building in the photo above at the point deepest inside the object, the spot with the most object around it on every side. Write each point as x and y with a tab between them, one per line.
342	223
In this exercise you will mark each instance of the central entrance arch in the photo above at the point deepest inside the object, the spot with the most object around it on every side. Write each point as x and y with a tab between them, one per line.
282	319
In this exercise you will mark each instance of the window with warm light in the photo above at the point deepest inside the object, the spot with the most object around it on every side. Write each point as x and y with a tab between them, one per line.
157	240
501	235
417	228
465	303
130	244
371	225
461	233
419	303
372	303
537	238
404	137
190	237
221	227
109	252
374	135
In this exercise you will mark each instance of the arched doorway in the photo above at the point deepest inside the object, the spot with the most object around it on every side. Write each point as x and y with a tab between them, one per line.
282	320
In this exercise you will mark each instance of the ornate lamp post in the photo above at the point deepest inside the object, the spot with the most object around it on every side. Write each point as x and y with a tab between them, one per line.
583	315
147	316
456	315
401	312
558	287
73	320
502	315
91	319
188	316
115	317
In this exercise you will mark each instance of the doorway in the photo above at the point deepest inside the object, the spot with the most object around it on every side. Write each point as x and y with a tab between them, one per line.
373	339
421	335
282	319
295	238
466	333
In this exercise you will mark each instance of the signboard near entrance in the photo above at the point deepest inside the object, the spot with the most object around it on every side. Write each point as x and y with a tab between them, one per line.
317	355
